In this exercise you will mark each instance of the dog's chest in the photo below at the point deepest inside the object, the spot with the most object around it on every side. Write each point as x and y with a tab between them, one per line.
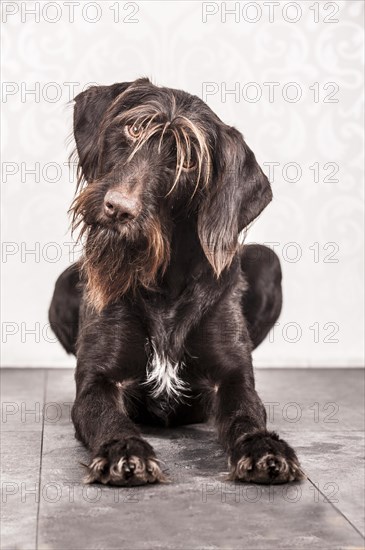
168	319
163	372
165	352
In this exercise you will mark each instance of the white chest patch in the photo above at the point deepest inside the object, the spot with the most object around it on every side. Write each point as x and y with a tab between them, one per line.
163	376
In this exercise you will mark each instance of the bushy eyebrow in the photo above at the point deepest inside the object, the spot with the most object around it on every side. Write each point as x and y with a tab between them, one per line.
190	139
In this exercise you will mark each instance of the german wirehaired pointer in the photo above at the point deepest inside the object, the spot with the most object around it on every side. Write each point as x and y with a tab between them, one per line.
165	306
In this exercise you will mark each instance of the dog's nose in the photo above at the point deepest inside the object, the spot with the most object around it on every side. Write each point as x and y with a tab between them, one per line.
120	206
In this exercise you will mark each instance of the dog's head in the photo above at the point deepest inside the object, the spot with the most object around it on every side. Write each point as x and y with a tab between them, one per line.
148	155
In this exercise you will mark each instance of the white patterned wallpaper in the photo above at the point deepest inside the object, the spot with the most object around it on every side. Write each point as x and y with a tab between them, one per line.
289	75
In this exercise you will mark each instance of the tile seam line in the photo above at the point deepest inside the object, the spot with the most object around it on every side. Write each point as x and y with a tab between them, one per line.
45	381
337	509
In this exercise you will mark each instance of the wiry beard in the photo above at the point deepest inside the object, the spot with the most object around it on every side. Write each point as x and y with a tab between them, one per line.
113	266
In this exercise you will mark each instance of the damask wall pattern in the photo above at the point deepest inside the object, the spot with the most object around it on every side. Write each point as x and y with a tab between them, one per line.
288	75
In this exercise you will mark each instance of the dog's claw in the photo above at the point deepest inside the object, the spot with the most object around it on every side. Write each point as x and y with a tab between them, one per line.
125	462
264	458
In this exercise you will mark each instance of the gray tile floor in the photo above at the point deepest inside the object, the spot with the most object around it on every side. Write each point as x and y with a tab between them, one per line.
45	505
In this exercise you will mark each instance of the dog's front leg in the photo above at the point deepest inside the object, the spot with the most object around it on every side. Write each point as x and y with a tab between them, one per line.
119	454
255	454
108	366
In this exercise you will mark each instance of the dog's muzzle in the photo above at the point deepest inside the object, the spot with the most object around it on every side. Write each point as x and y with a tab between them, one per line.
121	207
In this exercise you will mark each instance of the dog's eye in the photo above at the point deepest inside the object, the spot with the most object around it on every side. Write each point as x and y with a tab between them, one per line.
135	130
189	164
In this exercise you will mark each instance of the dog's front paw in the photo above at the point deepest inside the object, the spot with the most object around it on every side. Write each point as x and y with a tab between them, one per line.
128	461
262	457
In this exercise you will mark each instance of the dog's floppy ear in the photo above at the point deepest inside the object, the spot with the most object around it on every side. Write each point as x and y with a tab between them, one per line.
237	193
90	108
